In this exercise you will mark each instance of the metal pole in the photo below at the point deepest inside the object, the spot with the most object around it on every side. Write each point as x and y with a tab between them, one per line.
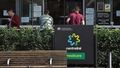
64	11
110	60
43	6
31	13
95	52
95	44
18	7
111	13
84	9
95	15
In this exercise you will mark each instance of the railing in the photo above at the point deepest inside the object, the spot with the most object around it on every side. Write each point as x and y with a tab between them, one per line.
22	26
37	26
110	26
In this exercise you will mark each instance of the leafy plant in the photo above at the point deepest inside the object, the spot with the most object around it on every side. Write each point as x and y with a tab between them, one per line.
108	40
25	39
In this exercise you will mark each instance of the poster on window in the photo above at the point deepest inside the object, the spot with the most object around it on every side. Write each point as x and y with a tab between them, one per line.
107	8
118	13
37	8
89	16
5	13
25	19
100	6
37	11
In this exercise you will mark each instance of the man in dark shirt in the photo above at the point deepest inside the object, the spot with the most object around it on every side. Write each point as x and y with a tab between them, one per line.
14	20
75	18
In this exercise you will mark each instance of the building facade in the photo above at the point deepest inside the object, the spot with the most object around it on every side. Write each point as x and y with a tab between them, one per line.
102	12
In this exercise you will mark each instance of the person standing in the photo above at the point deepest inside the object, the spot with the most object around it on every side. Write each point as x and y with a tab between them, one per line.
46	21
75	18
14	20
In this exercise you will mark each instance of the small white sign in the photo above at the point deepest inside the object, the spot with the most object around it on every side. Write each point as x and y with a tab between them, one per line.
37	14
37	11
107	7
100	6
5	13
37	8
89	16
118	13
24	19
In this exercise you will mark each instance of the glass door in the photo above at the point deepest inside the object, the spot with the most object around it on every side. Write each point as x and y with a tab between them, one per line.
104	12
30	11
71	4
4	6
116	12
60	9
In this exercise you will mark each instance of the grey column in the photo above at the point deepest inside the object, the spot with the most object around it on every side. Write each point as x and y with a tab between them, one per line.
18	7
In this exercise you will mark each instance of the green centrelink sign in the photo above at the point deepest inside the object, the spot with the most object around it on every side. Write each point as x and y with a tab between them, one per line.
76	56
77	41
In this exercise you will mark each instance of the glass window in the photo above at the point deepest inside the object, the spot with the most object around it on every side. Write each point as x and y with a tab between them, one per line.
110	10
60	9
28	10
32	10
90	3
90	12
57	10
4	6
103	15
116	12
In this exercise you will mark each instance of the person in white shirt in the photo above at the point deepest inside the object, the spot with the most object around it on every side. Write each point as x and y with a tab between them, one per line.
46	21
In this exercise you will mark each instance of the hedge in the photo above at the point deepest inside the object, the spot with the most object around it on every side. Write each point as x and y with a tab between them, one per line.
25	39
108	40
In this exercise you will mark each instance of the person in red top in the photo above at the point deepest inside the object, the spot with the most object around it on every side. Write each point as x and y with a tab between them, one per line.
75	18
14	20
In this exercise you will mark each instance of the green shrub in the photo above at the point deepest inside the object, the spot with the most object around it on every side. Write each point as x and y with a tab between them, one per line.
108	40
25	39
